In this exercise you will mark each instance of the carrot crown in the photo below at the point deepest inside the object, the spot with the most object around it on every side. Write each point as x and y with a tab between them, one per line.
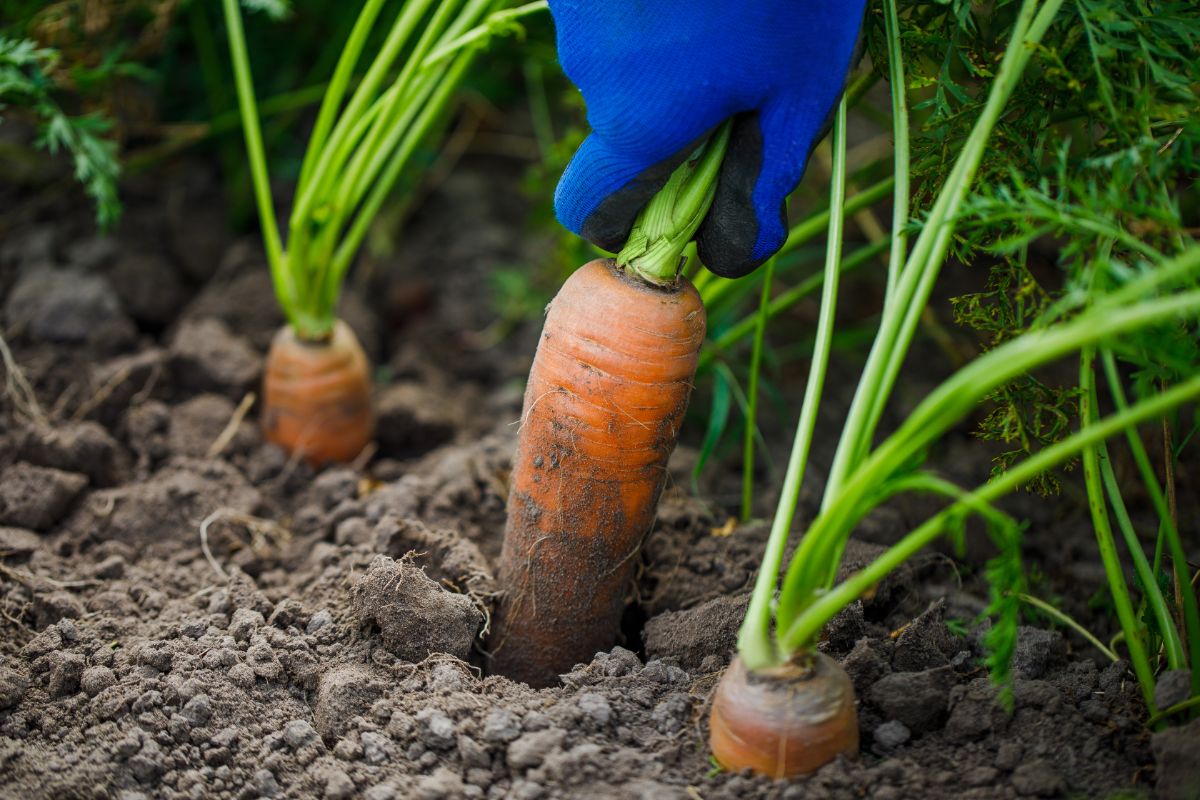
654	250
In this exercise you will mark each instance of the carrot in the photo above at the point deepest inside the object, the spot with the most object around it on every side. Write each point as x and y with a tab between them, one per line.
317	395
783	721
385	96
605	399
606	396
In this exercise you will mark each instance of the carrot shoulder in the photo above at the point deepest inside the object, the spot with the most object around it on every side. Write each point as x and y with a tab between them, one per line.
783	721
317	396
606	396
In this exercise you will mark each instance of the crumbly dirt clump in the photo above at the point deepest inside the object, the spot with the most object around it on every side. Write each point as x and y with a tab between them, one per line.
415	617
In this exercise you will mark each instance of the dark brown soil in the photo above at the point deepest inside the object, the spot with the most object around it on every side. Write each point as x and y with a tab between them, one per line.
326	644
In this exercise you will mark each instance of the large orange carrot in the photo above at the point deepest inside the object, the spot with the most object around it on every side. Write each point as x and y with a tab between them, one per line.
605	399
317	395
783	721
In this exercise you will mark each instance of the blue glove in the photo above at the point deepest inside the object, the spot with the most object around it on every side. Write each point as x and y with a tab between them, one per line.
659	75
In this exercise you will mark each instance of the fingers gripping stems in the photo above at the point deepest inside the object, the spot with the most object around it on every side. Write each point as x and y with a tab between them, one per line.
659	77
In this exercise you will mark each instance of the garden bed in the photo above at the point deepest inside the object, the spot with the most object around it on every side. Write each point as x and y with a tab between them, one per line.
323	646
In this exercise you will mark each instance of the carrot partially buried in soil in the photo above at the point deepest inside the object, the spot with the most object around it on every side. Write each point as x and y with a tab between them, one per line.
606	396
317	390
783	721
605	399
317	395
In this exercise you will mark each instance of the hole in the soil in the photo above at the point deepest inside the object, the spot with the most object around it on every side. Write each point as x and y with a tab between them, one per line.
370	629
632	622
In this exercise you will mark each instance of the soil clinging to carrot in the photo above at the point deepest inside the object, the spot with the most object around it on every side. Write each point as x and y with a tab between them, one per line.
603	406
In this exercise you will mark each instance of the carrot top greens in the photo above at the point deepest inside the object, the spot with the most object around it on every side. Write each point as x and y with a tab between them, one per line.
1022	131
367	129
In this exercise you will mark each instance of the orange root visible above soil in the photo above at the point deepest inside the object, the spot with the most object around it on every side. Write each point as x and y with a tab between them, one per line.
786	721
606	396
317	396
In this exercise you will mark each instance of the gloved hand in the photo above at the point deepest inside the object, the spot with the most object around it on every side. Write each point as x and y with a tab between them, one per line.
659	75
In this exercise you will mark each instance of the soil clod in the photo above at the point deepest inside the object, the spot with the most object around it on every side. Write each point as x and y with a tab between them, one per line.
1175	750
415	616
37	497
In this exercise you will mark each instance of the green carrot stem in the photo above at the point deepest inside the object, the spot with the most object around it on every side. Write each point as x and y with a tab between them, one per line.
754	639
285	289
355	183
342	74
336	147
370	152
949	402
308	258
903	310
1191	611
760	330
1113	570
785	300
433	109
900	203
495	21
668	222
1184	705
359	146
808	229
715	289
1065	619
1172	644
803	629
369	159
934	242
